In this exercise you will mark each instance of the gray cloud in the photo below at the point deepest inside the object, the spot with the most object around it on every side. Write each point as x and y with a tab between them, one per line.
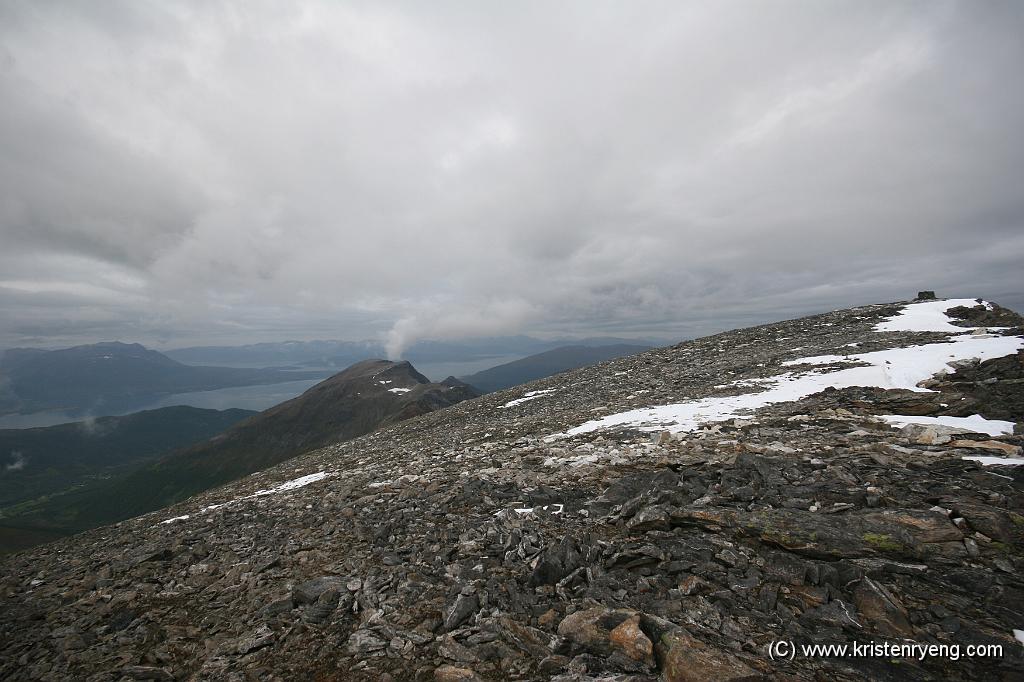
232	172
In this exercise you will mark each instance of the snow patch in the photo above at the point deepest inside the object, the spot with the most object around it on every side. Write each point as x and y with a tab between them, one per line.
586	458
300	482
975	423
928	316
176	518
1005	461
399	390
577	461
893	368
528	396
554	508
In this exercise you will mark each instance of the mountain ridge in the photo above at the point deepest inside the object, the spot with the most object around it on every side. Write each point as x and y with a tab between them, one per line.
38	465
110	375
344	353
351	403
494	539
545	364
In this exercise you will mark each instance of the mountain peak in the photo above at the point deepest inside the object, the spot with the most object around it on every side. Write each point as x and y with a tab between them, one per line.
376	372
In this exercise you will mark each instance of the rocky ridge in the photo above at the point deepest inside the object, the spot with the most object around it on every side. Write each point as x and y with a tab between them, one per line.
351	403
497	539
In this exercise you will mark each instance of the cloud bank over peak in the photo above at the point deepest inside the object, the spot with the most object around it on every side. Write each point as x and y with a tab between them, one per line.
226	172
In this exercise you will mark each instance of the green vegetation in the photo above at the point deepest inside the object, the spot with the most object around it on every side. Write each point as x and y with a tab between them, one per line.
883	542
50	476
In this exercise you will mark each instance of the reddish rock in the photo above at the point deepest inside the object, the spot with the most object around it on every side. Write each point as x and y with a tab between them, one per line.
449	673
604	631
686	659
880	609
631	640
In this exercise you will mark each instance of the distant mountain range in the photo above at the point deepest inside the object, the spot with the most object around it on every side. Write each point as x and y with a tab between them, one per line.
40	462
278	354
344	353
354	402
107	377
546	364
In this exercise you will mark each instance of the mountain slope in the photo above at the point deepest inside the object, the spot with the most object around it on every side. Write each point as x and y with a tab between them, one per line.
664	516
111	376
37	464
356	401
43	460
546	364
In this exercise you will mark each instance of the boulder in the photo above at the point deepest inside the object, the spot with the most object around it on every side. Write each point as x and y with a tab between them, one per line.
309	591
465	605
687	659
605	631
261	637
147	672
650	518
363	642
881	610
449	673
631	640
556	562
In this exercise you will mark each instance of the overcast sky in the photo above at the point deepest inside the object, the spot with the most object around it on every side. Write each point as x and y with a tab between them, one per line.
178	173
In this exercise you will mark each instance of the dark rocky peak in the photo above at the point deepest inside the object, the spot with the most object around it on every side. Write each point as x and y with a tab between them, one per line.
364	379
368	369
399	374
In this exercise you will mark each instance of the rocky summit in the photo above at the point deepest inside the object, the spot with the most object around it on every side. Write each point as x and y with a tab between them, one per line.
848	478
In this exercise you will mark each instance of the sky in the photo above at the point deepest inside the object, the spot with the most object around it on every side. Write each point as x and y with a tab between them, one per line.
230	172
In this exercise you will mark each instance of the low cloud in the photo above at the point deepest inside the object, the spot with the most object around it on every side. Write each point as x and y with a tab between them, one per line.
497	317
92	427
17	463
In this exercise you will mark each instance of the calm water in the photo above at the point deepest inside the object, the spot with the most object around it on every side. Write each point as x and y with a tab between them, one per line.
244	397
